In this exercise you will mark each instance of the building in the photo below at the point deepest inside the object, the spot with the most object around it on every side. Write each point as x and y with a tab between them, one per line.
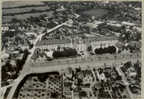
78	41
53	43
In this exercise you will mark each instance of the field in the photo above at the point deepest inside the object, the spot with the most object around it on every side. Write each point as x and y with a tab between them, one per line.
11	4
23	10
24	16
95	12
26	9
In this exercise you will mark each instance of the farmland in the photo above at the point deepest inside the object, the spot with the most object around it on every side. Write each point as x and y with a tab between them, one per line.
24	16
26	9
23	10
12	4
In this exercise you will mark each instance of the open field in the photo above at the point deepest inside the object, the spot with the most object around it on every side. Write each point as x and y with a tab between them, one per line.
23	10
26	9
96	12
24	16
11	4
108	59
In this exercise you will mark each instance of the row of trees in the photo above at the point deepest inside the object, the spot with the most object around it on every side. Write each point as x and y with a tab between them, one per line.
70	52
67	52
60	52
110	49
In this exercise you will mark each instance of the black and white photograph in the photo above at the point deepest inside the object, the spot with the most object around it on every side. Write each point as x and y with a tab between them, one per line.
71	49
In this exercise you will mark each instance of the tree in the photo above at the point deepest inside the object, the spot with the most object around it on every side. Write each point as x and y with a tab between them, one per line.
55	95
79	87
67	52
83	94
42	78
110	50
15	20
89	48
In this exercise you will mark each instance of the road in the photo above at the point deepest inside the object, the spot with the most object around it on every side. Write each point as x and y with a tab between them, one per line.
96	59
38	68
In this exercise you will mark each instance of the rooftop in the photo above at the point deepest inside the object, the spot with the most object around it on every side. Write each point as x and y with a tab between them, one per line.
53	41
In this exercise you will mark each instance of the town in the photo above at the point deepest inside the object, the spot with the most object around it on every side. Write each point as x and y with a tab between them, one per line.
71	50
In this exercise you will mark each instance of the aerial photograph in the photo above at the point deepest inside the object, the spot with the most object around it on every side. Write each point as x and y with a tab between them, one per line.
71	49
